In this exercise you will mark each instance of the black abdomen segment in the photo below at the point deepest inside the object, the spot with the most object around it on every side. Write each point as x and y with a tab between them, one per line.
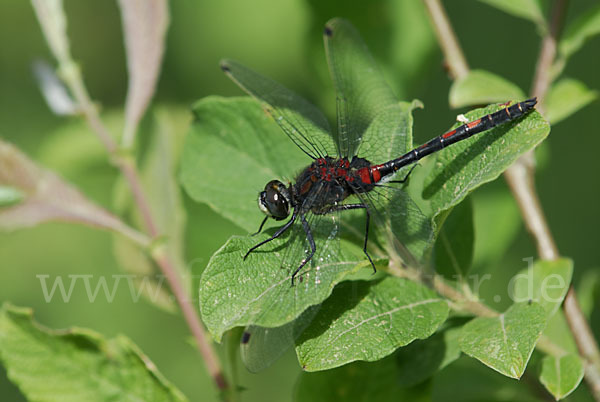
461	133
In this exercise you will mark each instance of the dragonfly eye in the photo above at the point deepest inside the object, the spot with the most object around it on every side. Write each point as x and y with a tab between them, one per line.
274	200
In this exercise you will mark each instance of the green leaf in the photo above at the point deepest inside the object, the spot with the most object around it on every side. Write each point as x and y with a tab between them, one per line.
527	9
237	292
580	30
76	364
368	321
464	166
10	196
231	151
361	90
158	177
561	375
505	342
481	87
546	282
566	97
454	245
359	382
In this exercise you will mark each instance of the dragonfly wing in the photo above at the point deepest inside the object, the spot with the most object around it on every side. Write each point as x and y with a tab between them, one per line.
260	347
360	87
304	123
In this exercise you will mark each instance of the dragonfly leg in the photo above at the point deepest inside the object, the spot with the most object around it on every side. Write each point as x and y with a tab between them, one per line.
275	235
347	207
402	181
261	226
311	241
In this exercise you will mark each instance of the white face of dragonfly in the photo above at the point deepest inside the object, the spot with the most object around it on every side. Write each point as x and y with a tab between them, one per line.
274	201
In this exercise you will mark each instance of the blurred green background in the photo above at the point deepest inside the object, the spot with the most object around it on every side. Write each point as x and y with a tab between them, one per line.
281	39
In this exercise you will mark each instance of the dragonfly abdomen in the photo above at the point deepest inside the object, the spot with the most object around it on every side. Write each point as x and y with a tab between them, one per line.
463	132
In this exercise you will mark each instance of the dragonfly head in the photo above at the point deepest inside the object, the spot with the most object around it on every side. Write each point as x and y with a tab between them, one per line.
275	201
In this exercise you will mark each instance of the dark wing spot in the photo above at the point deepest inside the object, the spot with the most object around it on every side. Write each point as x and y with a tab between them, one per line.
245	337
328	31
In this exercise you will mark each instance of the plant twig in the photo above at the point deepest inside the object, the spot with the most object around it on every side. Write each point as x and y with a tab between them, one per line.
520	177
455	59
522	182
130	172
53	23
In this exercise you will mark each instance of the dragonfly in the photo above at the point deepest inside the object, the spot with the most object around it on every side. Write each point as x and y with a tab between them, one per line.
349	170
322	187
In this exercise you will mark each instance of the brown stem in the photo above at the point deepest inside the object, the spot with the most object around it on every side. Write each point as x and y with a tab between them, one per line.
71	76
131	174
520	179
523	187
129	171
211	360
455	59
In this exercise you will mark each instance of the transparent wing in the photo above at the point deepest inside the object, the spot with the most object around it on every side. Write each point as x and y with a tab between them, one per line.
304	124
260	347
398	224
261	344
361	90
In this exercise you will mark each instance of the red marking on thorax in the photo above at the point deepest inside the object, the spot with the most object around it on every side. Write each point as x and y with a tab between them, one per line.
307	185
363	173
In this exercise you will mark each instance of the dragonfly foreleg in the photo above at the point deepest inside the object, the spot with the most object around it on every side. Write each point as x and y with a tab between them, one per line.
275	235
261	226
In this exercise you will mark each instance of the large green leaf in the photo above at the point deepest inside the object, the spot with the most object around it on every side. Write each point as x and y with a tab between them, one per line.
546	283
566	97
561	375
361	90
236	292
505	342
464	166
76	364
481	87
231	151
368	321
